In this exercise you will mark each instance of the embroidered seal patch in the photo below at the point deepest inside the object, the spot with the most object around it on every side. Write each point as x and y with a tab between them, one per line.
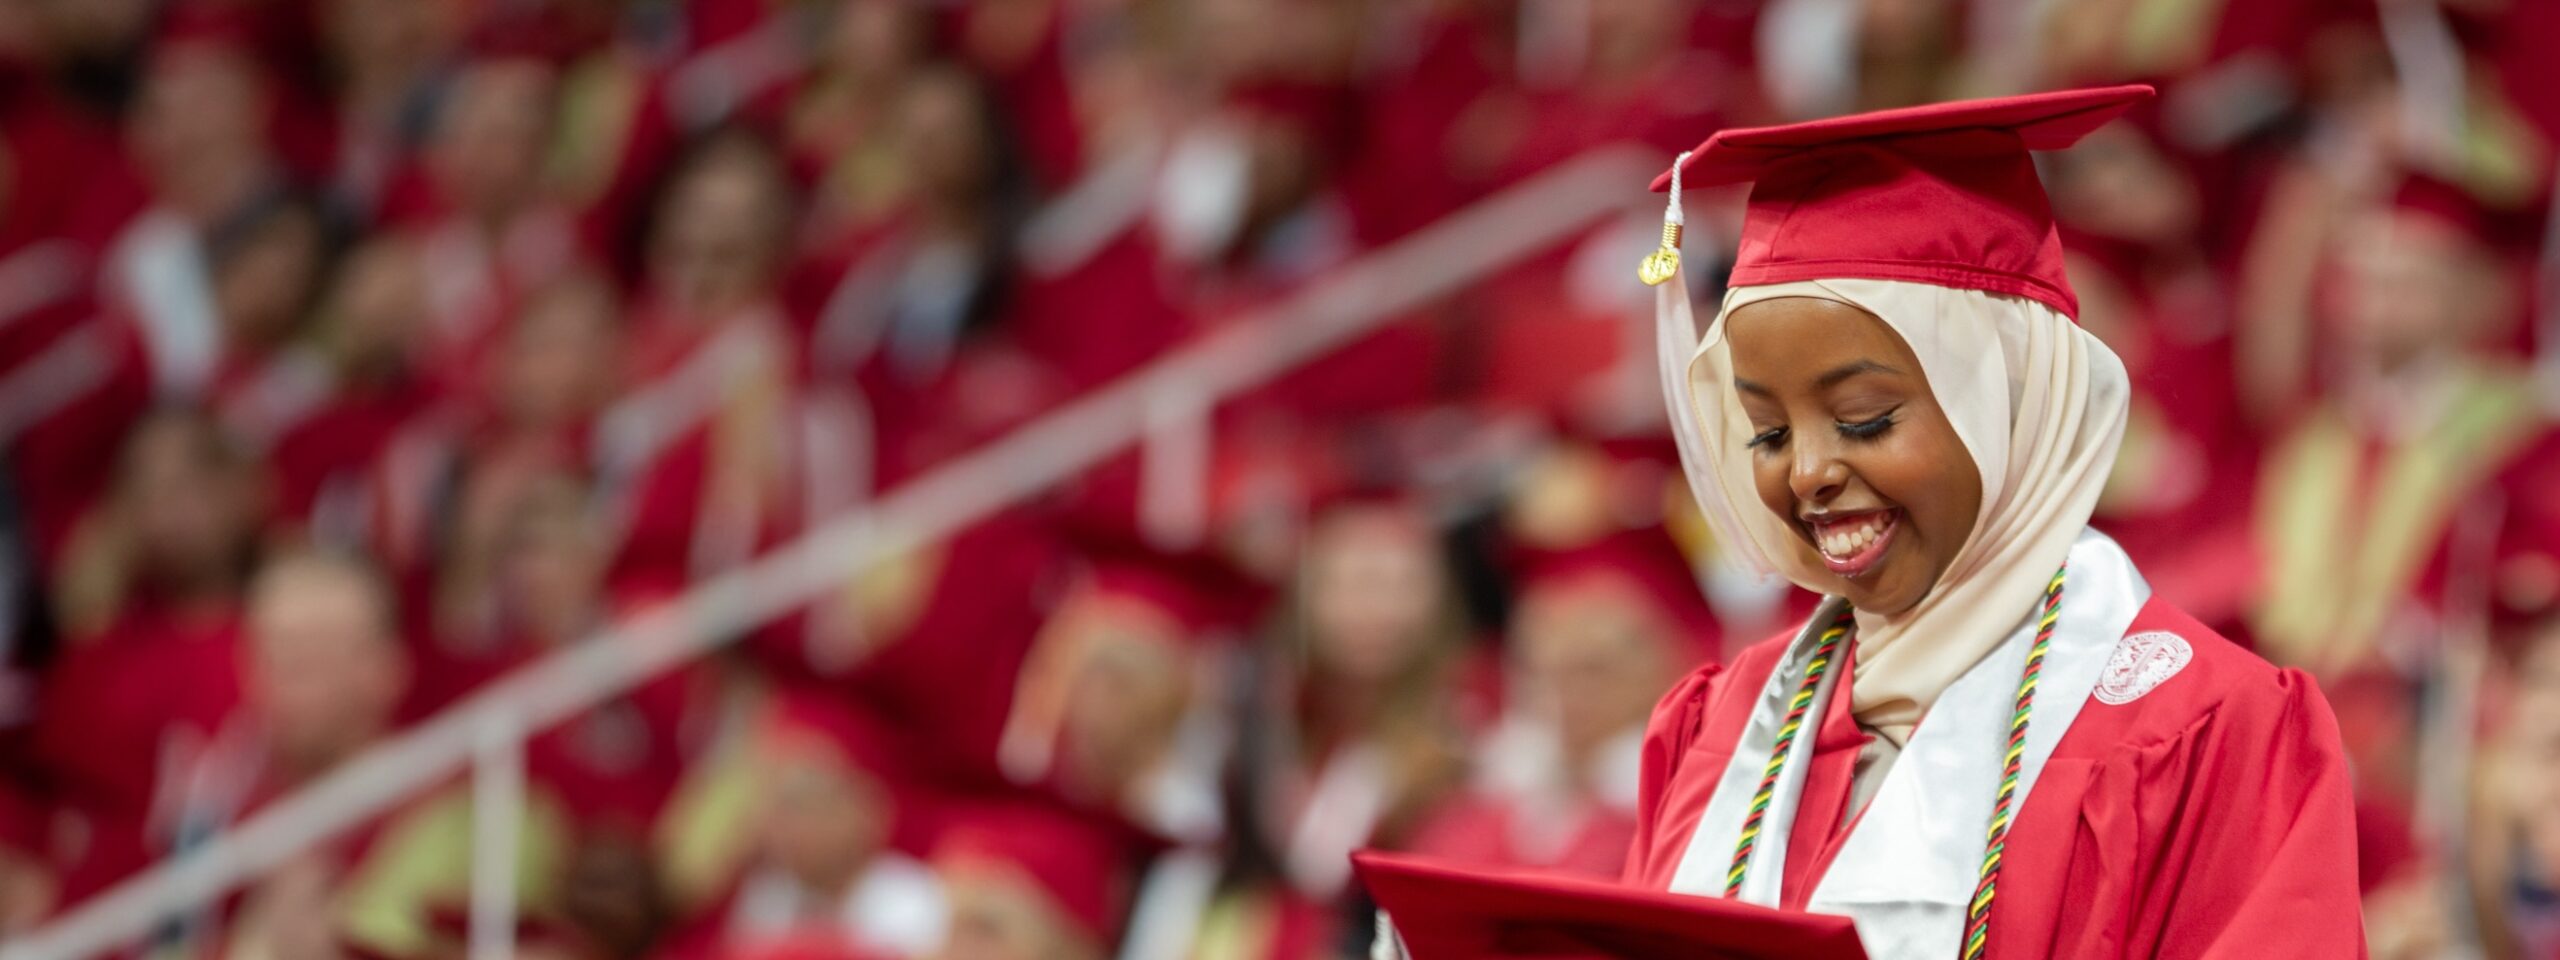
2141	663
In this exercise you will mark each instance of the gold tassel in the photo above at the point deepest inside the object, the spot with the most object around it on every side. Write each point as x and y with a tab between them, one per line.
1663	264
1660	265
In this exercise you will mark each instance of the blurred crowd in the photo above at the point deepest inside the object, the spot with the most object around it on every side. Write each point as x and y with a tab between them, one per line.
354	353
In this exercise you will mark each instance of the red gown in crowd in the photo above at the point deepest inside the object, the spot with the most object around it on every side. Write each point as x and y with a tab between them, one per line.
116	711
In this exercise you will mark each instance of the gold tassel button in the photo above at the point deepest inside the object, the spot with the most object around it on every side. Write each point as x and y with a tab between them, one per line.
1660	265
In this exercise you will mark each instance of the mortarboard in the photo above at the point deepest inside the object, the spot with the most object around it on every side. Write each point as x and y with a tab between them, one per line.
1447	912
1943	194
803	725
1204	597
1644	561
1074	862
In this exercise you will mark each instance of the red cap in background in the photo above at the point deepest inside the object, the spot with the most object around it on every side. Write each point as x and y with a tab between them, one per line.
1076	865
801	725
1642	562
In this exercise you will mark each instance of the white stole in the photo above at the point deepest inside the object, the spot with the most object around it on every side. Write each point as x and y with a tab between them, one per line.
1908	867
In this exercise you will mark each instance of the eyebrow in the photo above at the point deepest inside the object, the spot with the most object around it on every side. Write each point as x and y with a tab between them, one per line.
1826	381
1844	371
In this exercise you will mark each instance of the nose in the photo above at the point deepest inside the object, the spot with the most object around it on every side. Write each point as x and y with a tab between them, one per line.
1817	474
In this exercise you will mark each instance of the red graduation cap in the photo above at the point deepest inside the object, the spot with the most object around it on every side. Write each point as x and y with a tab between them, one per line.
1076	863
1447	912
1943	194
1198	592
1644	561
800	724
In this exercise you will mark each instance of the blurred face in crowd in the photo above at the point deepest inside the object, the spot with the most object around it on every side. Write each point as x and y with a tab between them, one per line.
2116	184
610	892
1374	592
376	311
1630	35
29	892
874	40
2533	754
490	135
1595	650
263	276
1907	51
1127	694
943	129
554	566
1894	28
720	228
558	364
1222	40
823	819
198	125
395	36
2413	285
1849	447
186	498
325	668
91	28
1000	913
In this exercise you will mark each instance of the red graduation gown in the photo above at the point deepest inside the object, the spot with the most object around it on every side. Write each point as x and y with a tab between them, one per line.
2208	817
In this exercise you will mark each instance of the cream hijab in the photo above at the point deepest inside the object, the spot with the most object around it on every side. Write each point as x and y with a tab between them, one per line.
2037	401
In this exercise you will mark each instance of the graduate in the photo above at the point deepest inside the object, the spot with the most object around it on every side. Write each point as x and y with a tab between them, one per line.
321	675
1597	630
1990	739
806	844
150	602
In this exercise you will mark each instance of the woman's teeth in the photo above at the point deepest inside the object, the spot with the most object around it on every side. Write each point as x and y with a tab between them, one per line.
1852	545
1846	538
1845	543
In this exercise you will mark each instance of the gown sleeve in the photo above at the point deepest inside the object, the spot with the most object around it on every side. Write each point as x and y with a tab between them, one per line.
2268	865
1667	736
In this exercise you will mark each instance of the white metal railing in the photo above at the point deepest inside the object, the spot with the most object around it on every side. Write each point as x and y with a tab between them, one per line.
485	732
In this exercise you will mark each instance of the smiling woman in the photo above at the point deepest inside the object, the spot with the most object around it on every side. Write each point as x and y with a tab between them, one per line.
1848	442
1989	739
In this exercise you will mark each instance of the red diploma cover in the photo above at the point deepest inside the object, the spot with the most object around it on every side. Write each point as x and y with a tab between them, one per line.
1448	912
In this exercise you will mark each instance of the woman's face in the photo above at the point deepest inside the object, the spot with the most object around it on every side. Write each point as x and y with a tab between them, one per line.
720	229
875	40
262	285
1849	447
558	365
554	566
189	506
998	912
378	306
2533	754
945	143
1592	647
1127	696
1374	588
823	821
489	136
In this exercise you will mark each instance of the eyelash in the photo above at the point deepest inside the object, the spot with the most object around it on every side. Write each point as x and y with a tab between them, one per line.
1861	430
